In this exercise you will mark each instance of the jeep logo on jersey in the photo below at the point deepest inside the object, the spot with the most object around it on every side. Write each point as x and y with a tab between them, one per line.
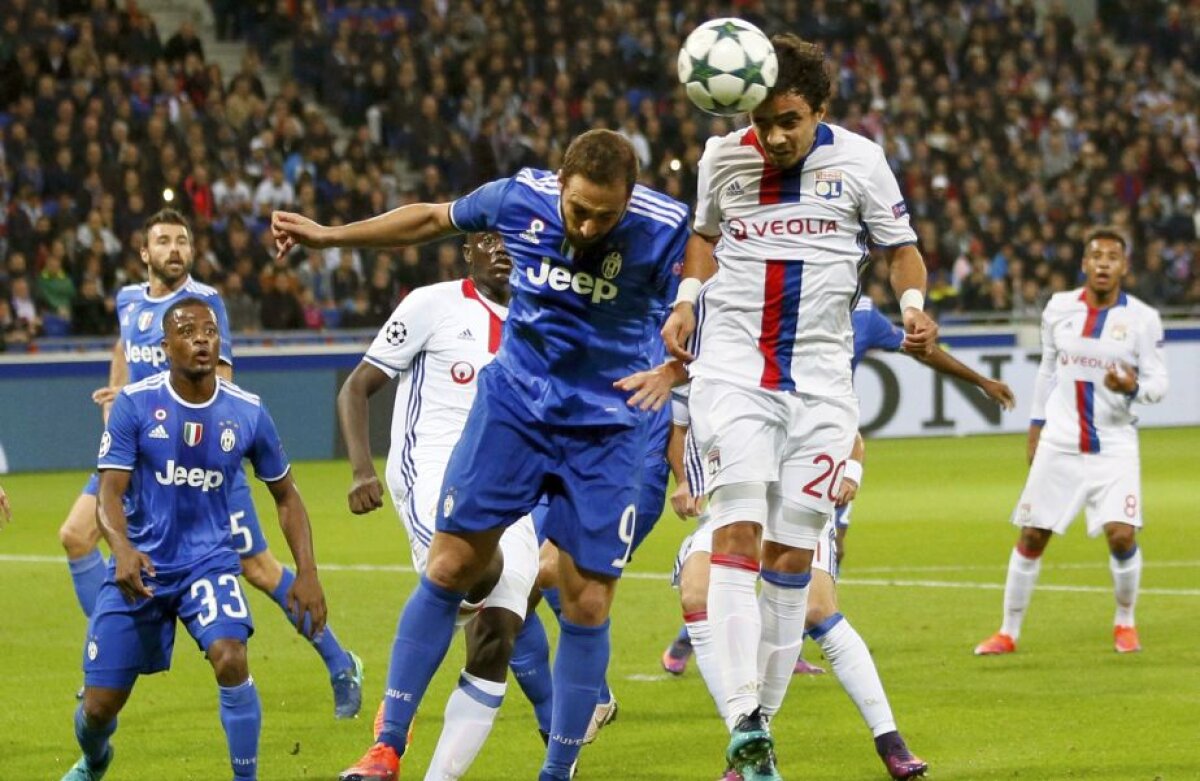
153	355
829	184
204	479
462	372
796	226
581	282
192	432
228	440
611	265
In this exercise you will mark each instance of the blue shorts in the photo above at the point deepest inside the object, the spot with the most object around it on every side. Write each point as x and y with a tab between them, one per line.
127	639
505	462
248	539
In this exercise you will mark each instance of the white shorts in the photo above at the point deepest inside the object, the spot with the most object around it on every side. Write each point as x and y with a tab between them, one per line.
746	435
518	544
1107	486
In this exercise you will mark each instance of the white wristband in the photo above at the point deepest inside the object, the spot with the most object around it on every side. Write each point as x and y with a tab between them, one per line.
854	471
912	298
689	290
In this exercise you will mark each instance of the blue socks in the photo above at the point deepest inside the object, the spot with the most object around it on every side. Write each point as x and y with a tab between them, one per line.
531	668
94	742
553	600
335	657
87	575
241	716
579	668
683	637
422	639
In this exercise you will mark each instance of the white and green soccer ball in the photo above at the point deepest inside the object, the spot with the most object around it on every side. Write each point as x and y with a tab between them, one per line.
727	66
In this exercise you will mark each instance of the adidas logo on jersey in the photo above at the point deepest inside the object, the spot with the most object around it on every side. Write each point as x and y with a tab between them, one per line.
466	334
158	432
734	189
581	282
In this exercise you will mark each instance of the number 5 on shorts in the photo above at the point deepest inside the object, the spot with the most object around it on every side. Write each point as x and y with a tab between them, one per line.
625	532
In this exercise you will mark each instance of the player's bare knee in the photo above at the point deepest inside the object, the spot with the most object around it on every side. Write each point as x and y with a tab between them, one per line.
79	533
101	706
228	659
784	558
692	598
1032	540
1122	538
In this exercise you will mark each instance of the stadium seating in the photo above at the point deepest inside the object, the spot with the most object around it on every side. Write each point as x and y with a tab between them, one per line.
1011	131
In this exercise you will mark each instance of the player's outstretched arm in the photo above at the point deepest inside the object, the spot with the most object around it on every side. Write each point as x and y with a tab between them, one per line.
110	513
412	224
907	272
852	475
366	492
305	599
682	501
699	264
941	361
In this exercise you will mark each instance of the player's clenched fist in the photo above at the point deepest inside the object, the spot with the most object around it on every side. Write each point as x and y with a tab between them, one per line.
366	495
291	230
920	332
678	329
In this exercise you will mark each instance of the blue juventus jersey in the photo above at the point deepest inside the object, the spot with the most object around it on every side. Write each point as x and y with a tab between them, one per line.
140	317
578	319
184	458
872	331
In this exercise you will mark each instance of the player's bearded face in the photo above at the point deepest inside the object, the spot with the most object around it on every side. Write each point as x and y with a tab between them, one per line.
191	340
786	127
168	252
1104	264
591	210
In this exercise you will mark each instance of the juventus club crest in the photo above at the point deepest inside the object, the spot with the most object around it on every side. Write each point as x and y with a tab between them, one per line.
228	440
192	433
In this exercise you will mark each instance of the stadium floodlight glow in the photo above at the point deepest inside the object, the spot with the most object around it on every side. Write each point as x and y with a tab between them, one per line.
168	194
675	164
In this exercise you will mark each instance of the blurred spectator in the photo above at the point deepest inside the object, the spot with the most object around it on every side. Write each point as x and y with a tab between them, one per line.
55	288
242	309
281	309
91	313
24	309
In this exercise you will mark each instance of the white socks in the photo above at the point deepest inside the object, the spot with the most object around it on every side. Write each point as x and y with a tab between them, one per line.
736	628
855	670
1126	575
1018	590
470	712
700	633
782	602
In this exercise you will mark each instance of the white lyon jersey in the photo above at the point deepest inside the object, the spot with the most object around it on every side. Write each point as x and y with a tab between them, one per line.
1079	345
791	245
438	339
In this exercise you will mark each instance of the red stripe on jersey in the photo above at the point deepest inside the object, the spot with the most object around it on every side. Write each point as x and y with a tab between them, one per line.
772	323
495	324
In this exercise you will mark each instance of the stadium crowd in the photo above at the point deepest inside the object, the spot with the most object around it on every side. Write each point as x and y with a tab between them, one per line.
1010	132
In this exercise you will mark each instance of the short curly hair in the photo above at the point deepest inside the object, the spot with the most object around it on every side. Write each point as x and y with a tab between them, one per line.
802	70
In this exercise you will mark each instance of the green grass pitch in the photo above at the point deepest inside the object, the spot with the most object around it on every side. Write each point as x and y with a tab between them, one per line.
921	582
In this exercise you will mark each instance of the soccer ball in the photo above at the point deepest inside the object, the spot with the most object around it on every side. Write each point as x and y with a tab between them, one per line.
727	66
